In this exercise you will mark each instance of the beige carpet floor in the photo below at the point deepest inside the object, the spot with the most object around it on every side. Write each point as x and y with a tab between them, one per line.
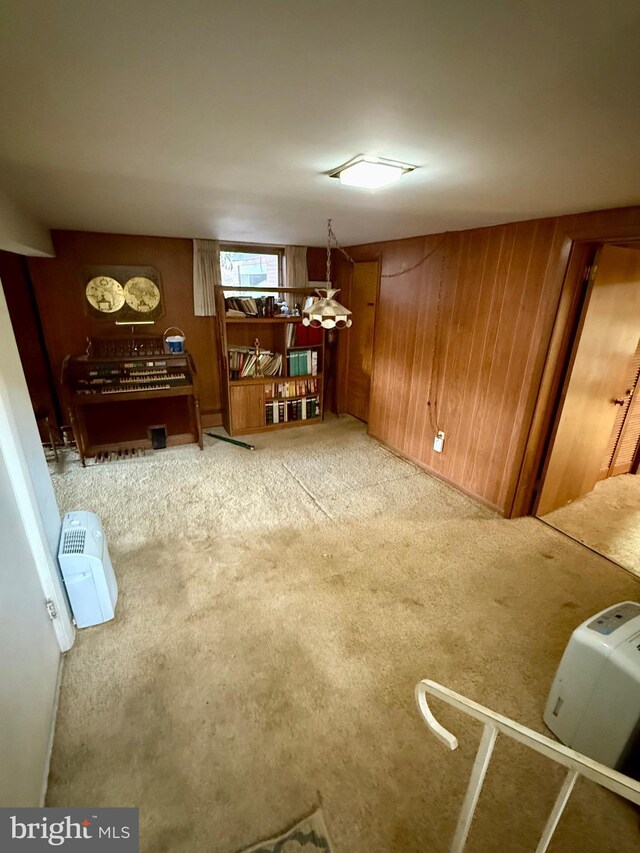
276	610
607	520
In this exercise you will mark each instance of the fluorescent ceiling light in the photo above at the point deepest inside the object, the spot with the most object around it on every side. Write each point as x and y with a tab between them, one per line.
370	172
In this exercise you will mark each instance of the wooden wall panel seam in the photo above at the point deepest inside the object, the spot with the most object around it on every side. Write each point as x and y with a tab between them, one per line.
448	312
483	489
422	308
470	452
471	365
496	293
421	394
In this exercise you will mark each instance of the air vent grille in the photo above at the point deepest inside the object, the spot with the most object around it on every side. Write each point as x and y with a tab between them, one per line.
73	542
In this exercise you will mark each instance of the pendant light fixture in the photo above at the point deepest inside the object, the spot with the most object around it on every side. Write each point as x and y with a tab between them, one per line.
326	312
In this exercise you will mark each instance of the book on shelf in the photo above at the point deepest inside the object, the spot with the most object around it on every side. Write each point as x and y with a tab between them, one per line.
291	334
307	336
244	363
303	362
291	388
244	306
256	306
285	411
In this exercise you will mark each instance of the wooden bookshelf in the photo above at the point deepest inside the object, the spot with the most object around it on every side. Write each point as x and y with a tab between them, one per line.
245	399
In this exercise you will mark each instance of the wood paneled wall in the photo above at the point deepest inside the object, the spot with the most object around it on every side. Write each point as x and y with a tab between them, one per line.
59	294
501	289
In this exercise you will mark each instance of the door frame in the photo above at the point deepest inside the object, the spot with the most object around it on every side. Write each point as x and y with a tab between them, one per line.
587	314
579	246
377	262
586	255
345	277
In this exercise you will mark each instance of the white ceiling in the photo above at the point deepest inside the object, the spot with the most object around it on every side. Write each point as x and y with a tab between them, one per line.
219	119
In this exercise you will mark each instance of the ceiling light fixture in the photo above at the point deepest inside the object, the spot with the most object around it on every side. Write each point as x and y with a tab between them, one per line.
326	312
370	172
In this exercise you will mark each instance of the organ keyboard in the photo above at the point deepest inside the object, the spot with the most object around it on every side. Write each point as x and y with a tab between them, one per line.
116	402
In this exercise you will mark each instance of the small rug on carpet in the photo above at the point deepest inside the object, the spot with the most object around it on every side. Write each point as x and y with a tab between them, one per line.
310	836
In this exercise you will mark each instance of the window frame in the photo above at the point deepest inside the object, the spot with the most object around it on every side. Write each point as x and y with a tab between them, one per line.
258	249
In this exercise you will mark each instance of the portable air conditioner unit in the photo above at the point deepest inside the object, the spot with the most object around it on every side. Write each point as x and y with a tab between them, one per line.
86	569
594	704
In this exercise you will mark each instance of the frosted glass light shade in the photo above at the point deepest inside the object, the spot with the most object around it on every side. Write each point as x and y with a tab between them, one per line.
326	313
370	174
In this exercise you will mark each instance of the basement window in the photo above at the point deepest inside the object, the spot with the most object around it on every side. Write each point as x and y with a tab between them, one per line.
255	267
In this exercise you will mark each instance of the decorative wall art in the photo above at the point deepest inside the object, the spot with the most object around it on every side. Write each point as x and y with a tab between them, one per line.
123	294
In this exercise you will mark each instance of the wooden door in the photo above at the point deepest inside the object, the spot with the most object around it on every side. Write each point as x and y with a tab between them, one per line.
606	343
625	435
247	407
364	289
29	661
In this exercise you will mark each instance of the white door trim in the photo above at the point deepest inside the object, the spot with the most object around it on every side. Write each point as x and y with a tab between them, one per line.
21	483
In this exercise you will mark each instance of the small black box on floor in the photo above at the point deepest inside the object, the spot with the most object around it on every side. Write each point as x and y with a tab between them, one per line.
158	437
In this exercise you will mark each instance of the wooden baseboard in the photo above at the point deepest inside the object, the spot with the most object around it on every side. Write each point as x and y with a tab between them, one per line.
439	476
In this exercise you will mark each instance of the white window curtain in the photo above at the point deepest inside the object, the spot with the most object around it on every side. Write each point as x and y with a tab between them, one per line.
295	271
206	274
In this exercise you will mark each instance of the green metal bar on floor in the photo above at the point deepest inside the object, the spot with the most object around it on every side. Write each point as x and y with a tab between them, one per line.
231	440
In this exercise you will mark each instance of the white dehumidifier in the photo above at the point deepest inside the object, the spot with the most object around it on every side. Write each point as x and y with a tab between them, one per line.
86	569
594	704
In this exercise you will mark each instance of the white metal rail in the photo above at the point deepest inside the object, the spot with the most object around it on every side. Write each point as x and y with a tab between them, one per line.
577	764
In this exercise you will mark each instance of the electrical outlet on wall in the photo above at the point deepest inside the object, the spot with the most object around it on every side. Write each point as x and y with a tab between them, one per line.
438	442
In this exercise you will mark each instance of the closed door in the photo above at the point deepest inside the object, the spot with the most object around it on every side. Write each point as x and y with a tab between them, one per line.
598	380
30	642
28	663
364	288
